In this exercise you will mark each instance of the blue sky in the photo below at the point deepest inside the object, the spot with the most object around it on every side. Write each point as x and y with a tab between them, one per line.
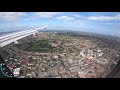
98	22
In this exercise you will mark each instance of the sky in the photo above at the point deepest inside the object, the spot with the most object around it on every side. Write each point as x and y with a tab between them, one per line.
97	22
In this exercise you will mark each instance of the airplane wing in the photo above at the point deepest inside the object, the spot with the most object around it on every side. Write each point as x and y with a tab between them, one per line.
9	38
13	37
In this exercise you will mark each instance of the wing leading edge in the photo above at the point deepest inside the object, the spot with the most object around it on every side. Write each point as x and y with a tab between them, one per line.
13	37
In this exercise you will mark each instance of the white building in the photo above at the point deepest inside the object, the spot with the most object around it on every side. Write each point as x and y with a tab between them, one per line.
16	72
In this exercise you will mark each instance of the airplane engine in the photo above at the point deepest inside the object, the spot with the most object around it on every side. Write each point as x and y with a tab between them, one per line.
33	34
15	42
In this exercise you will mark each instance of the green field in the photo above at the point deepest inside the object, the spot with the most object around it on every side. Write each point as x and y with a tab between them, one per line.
65	36
41	46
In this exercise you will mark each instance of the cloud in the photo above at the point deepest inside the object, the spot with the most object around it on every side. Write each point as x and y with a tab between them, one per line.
11	15
102	18
46	14
19	15
79	22
79	16
65	18
108	23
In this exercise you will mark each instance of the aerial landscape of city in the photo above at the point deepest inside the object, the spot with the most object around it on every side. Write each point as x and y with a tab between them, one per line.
59	53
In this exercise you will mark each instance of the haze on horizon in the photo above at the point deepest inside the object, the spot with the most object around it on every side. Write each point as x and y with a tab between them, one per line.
97	22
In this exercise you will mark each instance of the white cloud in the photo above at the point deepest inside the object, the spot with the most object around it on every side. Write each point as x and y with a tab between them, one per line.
65	18
101	18
79	22
108	23
46	14
79	16
11	15
17	15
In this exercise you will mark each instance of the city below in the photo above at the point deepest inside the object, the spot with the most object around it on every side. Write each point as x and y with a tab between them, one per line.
60	54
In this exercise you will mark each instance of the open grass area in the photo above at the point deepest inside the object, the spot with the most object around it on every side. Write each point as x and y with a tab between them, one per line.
41	46
65	36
